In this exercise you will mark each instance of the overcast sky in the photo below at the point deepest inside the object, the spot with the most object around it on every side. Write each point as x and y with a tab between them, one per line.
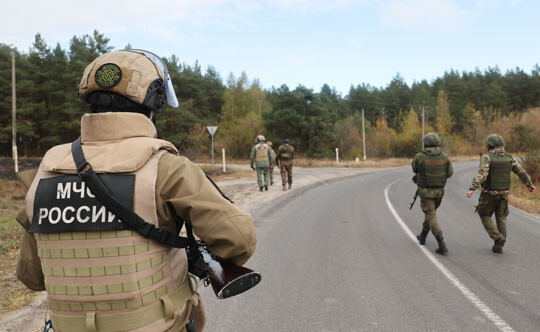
309	42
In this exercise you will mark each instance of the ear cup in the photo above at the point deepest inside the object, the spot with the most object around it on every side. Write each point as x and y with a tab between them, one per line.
155	96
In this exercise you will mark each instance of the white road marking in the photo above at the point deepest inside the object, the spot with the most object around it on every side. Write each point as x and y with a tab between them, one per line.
492	316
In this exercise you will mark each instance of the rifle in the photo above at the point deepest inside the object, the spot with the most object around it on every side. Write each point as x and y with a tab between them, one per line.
414	199
227	279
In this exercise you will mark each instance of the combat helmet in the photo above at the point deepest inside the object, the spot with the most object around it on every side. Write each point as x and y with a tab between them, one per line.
269	144
128	80
432	140
260	138
494	140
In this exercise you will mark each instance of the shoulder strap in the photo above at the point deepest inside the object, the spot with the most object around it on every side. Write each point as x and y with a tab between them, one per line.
128	217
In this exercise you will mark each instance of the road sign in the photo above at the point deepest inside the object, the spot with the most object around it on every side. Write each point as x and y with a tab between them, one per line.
212	129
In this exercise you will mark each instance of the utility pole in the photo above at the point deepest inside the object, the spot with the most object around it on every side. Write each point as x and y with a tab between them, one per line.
423	123
363	136
14	114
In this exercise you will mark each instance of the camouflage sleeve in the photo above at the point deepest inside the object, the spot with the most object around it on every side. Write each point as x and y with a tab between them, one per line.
522	173
414	165
483	172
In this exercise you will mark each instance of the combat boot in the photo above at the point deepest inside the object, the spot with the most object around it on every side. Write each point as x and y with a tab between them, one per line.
265	187
442	245
260	188
498	245
284	188
422	236
290	186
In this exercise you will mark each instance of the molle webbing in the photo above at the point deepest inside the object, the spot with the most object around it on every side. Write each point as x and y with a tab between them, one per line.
286	153
432	171
99	271
261	152
126	321
94	290
84	272
135	303
128	250
500	168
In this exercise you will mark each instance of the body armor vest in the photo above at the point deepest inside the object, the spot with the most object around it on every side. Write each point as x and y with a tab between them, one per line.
101	277
500	168
286	153
261	152
432	171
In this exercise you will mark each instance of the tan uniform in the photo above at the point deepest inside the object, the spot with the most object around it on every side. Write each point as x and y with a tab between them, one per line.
118	280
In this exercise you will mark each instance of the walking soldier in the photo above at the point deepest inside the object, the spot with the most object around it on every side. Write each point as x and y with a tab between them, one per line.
432	168
284	160
494	178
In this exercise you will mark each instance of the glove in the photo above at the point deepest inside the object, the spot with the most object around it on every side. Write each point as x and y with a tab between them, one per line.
253	168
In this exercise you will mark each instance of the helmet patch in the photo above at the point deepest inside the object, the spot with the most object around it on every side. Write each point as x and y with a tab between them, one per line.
108	76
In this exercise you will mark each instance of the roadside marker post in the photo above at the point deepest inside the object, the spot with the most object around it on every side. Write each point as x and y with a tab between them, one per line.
337	156
223	156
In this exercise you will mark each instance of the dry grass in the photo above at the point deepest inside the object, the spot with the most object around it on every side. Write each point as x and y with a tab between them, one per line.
521	198
217	173
370	163
14	294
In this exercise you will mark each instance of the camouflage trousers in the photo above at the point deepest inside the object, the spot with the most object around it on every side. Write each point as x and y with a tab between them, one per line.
489	204
262	172
271	170
429	207
286	172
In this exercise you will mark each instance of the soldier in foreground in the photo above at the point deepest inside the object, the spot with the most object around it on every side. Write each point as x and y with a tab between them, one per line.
284	160
100	273
432	168
261	158
272	163
494	177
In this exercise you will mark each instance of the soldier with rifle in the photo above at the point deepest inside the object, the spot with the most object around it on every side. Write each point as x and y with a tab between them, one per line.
432	168
103	214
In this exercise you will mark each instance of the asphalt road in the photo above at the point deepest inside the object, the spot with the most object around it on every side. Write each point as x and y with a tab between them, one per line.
337	258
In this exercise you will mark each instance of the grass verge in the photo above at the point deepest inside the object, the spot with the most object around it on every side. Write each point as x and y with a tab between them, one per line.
217	173
14	294
521	198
